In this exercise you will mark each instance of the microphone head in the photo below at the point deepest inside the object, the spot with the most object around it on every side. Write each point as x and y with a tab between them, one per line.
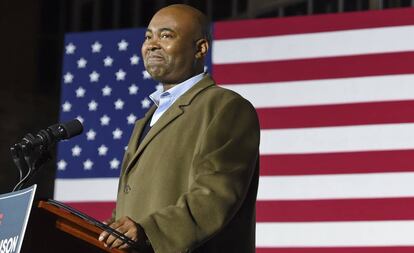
72	128
48	137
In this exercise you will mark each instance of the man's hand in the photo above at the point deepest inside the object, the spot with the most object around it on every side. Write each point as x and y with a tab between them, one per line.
124	225
109	221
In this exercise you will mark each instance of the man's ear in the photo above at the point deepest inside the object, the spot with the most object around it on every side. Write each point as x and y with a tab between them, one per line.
202	48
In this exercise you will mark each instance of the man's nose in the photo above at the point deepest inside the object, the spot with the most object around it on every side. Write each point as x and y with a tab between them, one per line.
153	45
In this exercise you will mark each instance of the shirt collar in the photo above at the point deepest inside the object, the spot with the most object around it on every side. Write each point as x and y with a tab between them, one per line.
176	91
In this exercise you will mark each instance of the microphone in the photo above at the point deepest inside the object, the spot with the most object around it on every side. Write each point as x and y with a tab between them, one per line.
49	136
33	151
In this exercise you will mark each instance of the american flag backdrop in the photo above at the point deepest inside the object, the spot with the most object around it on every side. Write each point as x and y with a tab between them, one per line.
335	98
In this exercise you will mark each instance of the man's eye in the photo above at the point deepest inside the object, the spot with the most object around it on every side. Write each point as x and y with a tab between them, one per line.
147	37
166	36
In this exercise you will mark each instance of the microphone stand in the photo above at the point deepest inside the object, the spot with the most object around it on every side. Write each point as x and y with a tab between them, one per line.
28	159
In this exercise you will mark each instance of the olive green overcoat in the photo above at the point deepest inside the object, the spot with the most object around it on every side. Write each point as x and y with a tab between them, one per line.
192	182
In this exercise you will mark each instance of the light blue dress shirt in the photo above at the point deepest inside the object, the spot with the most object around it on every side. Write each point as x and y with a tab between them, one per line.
164	99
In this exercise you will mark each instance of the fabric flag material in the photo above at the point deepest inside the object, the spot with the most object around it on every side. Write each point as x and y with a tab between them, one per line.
334	94
335	98
105	86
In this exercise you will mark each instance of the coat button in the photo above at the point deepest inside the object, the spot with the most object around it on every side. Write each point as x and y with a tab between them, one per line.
127	188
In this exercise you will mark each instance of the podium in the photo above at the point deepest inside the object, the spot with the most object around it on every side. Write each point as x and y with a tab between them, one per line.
52	229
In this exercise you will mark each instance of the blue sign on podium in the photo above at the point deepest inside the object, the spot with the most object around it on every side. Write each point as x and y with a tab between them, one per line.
14	214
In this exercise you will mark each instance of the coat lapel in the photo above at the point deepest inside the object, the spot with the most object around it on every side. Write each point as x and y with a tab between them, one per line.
140	127
170	115
136	133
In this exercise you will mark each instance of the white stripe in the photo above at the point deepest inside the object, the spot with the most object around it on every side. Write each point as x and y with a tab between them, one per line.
327	91
337	139
312	45
335	234
372	185
86	189
310	187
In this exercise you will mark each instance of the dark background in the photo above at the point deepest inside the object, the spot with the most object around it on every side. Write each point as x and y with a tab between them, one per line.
31	49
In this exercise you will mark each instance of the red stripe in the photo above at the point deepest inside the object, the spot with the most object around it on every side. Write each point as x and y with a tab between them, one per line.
393	249
337	163
335	210
98	210
337	115
312	24
315	68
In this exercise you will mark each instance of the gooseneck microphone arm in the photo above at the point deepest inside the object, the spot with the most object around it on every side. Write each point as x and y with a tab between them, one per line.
34	151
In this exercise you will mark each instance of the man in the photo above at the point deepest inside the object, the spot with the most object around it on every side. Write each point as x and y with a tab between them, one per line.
190	174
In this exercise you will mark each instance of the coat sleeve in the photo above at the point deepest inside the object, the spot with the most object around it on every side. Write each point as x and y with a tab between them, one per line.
224	164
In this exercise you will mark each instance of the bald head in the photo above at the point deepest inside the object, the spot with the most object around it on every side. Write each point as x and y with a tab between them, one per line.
193	16
176	43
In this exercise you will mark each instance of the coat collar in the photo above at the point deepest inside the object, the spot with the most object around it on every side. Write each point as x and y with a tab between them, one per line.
175	111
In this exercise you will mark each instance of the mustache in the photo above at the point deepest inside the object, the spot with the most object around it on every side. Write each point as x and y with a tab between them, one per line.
154	55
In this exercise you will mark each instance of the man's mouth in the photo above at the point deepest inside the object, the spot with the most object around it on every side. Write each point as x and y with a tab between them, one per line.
155	58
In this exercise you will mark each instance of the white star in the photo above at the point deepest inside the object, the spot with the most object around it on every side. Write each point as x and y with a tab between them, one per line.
96	47
102	150
134	60
80	92
106	91
119	104
131	119
125	148
92	105
76	150
146	75
66	106
205	68
105	120
108	61
120	75
133	89
70	48
61	165
114	164
90	135
80	119
122	45
94	76
117	134
68	77
82	63
145	103
87	165
159	87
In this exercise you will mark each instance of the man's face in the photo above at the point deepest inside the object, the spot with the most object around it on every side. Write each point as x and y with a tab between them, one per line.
169	48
